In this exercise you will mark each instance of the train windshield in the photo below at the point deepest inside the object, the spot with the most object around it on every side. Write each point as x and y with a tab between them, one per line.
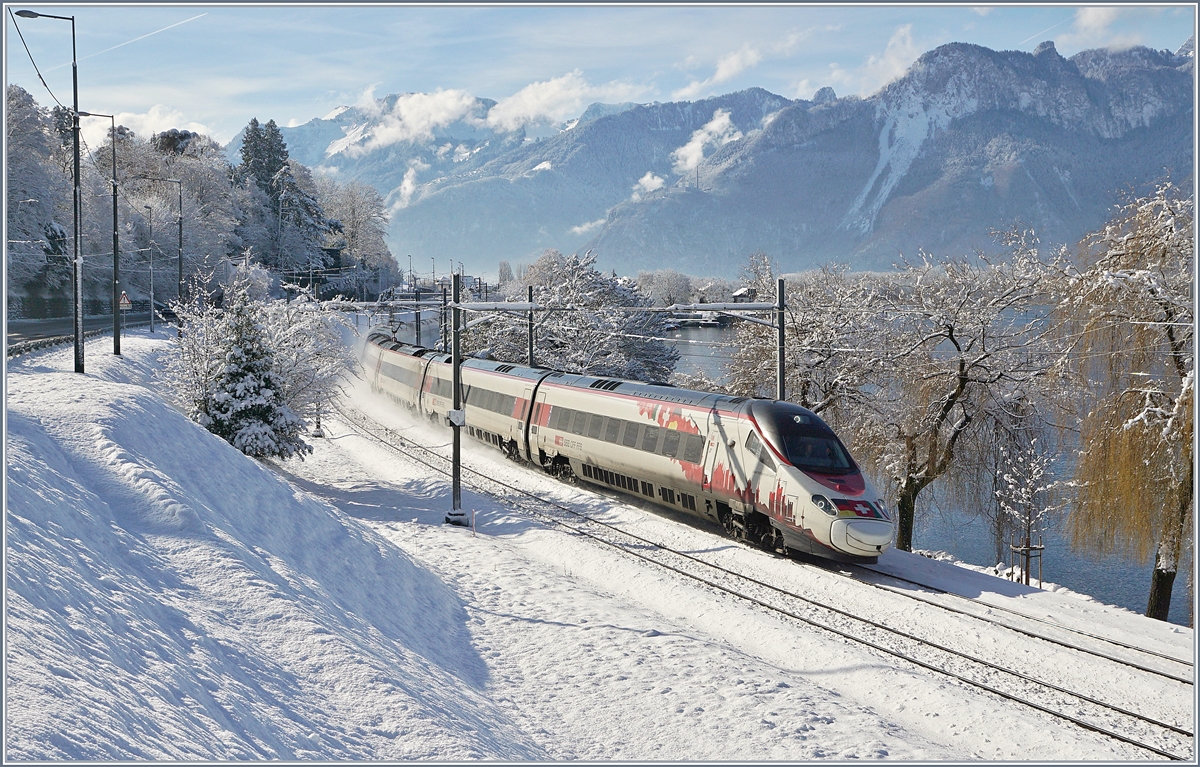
803	438
817	453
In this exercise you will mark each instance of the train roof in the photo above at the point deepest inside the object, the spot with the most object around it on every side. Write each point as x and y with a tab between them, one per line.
657	391
506	368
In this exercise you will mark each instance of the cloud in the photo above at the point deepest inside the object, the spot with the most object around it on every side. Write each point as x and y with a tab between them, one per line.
556	100
718	131
647	184
158	119
1097	28
729	66
791	41
803	89
413	117
589	226
983	10
899	55
408	186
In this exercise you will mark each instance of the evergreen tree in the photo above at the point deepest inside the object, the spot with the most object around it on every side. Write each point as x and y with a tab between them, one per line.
252	154
246	406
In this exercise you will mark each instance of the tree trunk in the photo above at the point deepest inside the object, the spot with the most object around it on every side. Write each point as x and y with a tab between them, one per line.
1166	559
1160	592
906	506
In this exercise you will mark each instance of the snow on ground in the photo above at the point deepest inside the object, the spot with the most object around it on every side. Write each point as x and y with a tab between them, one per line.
169	598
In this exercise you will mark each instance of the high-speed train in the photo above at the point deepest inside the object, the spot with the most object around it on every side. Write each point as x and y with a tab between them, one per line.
772	473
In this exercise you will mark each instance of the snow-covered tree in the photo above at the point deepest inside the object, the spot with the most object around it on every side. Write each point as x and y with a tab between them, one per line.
505	273
310	358
1130	312
191	369
39	197
278	211
1022	490
585	335
665	287
246	405
362	221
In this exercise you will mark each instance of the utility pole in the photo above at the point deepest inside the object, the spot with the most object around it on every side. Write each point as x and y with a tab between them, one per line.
457	414
417	322
779	307
150	251
443	320
530	295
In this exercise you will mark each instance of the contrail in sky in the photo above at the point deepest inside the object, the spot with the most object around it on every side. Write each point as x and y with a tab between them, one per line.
134	40
1044	31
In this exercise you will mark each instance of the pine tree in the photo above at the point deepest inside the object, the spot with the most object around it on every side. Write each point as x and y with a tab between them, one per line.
252	155
246	406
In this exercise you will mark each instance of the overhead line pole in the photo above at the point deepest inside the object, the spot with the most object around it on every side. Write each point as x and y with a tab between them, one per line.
779	307
457	414
116	247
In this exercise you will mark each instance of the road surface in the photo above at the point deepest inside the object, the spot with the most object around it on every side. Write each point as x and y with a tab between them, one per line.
30	330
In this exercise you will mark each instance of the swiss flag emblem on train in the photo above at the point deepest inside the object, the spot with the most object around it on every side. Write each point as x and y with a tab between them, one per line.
860	508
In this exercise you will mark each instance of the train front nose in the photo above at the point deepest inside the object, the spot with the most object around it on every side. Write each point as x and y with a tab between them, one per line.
862	537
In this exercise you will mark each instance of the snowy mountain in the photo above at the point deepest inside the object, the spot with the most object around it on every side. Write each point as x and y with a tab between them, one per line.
969	140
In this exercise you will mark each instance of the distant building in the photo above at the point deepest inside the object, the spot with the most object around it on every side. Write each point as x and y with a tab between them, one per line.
745	295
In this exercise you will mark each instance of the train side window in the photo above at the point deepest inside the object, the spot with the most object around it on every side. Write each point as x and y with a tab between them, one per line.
670	445
595	426
650	439
508	404
753	444
631	434
764	455
579	423
611	428
693	448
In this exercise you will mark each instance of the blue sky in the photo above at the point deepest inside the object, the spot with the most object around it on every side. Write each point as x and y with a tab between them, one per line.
212	67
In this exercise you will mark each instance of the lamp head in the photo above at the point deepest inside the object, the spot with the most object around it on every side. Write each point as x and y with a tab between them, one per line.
28	14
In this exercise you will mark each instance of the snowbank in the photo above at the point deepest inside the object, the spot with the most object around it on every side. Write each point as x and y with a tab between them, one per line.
169	598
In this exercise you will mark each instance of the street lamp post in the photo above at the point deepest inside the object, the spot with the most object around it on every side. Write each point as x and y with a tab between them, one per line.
116	248
77	261
150	249
179	186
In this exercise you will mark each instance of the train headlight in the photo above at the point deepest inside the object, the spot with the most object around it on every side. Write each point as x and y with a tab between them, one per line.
825	505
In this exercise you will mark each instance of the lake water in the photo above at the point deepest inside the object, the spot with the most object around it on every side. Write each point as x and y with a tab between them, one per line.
1112	580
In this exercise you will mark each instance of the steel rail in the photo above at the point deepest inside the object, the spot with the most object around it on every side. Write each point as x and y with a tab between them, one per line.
1026	632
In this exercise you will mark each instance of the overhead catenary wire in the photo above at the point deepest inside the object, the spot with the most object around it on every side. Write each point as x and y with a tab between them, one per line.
31	60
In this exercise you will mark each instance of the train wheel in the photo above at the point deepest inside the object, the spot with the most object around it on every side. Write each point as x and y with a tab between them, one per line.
734	525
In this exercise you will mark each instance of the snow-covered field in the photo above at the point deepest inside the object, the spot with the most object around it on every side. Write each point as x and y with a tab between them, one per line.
169	598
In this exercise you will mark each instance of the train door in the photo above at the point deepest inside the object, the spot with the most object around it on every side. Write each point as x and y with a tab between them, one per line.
724	474
522	424
533	429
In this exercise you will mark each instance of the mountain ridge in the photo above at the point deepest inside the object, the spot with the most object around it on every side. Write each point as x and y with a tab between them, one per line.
969	140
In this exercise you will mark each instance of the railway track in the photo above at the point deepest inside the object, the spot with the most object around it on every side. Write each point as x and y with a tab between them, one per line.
1167	739
1165	665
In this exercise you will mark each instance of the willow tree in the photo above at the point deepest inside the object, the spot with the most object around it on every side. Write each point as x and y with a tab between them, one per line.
1130	309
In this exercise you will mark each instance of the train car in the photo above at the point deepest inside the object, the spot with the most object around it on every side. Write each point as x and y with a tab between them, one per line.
771	473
